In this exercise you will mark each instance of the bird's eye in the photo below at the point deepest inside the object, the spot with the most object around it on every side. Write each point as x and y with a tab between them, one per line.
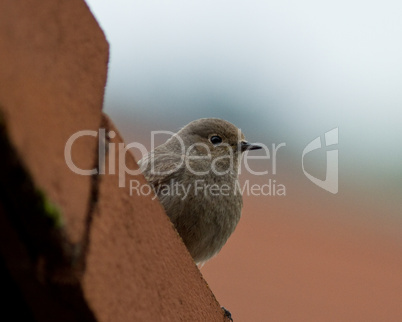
215	139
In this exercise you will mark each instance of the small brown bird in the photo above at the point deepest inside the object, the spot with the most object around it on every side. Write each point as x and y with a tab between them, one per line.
195	176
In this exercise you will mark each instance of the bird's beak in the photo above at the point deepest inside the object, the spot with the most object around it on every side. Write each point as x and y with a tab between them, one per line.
244	146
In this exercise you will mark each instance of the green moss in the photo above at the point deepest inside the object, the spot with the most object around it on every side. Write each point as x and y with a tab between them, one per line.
48	209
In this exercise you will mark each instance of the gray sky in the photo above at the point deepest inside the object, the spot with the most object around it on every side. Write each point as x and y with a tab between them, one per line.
288	70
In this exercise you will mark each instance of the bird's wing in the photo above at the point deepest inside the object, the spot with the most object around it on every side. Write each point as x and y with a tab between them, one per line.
160	169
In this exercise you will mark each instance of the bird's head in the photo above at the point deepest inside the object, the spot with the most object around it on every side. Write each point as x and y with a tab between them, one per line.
213	140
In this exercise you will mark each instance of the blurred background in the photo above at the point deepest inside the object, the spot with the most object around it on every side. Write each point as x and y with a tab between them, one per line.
284	72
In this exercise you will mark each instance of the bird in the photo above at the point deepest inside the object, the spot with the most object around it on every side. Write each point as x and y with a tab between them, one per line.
195	175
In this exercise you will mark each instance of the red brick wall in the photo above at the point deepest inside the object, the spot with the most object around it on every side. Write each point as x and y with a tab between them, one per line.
76	247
